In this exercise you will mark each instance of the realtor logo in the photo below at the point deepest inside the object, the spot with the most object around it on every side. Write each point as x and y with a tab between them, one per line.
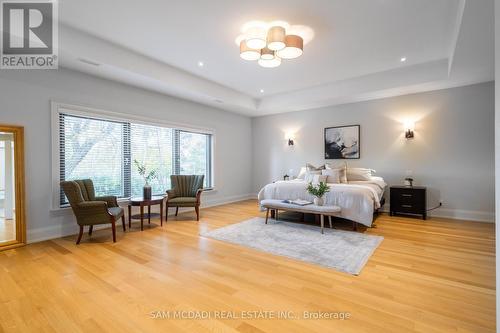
29	35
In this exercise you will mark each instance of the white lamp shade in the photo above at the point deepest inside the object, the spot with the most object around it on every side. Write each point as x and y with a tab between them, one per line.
275	62
247	53
293	49
256	38
276	38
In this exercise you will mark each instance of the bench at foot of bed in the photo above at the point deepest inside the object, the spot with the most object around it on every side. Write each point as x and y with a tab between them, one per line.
322	211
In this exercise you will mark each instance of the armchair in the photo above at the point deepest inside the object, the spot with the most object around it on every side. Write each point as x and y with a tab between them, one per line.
186	192
89	209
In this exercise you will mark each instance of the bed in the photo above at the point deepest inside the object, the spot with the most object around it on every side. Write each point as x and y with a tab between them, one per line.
358	199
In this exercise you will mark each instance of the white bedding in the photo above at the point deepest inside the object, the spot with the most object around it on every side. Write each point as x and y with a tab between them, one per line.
357	199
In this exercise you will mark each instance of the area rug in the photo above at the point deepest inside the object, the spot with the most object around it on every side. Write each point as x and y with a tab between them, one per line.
345	251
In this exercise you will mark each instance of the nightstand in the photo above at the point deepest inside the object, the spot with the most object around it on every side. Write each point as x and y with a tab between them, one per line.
408	200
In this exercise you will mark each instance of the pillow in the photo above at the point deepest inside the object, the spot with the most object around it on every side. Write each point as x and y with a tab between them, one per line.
316	179
302	173
310	175
332	175
311	167
359	174
342	170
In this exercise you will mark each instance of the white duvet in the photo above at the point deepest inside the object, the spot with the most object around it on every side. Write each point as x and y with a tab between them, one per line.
358	199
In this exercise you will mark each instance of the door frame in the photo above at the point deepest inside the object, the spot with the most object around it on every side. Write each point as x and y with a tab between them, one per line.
18	133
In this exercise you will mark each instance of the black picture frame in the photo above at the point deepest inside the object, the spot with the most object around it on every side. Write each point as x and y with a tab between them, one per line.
335	139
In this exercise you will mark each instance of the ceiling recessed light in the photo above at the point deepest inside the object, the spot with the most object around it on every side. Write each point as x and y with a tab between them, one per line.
200	64
403	59
261	91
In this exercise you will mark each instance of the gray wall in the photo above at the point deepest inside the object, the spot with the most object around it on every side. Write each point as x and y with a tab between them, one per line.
25	100
452	152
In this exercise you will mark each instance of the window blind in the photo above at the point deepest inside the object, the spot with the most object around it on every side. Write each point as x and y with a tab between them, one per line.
92	148
152	147
105	151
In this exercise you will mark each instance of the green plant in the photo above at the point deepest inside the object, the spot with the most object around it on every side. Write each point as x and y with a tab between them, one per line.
319	190
148	176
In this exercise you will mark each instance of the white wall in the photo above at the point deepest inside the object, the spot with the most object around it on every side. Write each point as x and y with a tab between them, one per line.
25	100
452	152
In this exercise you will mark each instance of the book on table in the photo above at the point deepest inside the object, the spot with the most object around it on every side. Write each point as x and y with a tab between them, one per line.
298	202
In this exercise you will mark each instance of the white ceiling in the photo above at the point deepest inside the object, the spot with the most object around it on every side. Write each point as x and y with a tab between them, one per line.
355	54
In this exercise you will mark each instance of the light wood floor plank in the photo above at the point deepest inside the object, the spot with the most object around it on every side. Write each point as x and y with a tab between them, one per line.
427	276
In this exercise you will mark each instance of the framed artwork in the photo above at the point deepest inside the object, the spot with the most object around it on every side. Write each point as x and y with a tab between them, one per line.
342	142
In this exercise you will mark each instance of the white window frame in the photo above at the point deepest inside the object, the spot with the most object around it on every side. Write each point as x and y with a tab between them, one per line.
85	111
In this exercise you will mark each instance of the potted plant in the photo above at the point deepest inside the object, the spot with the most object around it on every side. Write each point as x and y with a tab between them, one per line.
318	191
148	177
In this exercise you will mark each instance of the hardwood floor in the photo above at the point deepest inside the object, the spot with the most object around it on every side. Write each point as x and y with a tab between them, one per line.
427	276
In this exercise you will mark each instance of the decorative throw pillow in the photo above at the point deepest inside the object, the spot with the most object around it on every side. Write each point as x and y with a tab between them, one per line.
310	175
311	167
342	170
318	179
332	175
302	173
359	174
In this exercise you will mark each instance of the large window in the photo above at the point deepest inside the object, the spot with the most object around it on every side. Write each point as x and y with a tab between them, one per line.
105	151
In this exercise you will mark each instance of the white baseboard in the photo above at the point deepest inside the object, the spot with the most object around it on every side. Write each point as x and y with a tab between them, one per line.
459	214
226	200
35	235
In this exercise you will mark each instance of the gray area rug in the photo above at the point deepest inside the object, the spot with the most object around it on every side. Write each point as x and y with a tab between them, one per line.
345	251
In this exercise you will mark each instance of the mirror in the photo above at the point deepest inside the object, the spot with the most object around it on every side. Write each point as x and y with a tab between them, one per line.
12	223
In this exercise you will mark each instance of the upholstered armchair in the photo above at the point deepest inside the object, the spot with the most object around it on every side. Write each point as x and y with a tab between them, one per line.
89	209
186	192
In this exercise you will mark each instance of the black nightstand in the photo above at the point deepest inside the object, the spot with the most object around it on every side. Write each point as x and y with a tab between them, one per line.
408	200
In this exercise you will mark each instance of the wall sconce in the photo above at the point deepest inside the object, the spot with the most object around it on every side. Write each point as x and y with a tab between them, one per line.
290	142
409	128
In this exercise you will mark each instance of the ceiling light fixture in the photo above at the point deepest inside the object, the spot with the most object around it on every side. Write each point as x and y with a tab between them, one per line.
403	59
256	37
200	64
248	53
294	47
266	54
270	63
276	38
262	91
270	42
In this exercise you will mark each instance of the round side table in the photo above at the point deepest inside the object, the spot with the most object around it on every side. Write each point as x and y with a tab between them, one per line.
141	202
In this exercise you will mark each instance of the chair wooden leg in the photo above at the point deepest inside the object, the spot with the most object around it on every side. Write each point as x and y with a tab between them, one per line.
197	208
267	215
113	229
80	234
129	216
166	213
161	213
123	223
330	220
90	230
176	211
